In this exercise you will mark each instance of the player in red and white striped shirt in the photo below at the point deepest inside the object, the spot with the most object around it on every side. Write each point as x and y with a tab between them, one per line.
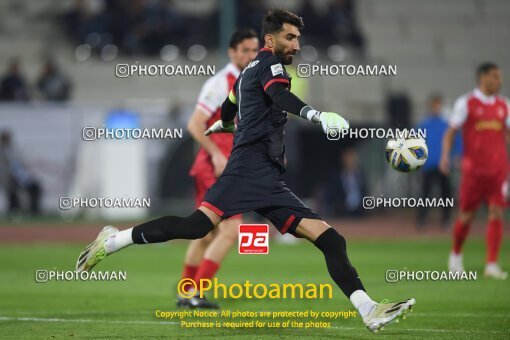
205	255
483	116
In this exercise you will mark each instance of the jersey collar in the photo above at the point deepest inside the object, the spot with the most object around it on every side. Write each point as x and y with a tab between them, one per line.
266	49
483	98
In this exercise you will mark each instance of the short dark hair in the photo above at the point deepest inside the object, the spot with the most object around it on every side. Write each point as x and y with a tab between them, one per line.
273	21
240	35
485	68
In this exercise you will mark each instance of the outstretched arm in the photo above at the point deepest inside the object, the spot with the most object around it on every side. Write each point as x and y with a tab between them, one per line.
289	102
285	99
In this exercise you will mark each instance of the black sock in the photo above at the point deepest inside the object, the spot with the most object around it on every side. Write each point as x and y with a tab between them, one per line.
333	245
163	229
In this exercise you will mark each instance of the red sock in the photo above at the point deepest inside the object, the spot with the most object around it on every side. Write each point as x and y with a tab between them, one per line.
207	270
494	238
189	272
460	232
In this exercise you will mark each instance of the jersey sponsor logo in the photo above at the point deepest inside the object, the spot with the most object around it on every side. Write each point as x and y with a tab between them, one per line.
253	239
490	124
250	65
276	69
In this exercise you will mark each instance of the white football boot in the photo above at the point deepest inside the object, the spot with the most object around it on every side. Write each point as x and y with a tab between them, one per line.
455	263
95	251
494	271
385	313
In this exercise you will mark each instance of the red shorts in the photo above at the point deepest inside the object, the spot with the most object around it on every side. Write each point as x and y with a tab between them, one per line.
203	182
477	189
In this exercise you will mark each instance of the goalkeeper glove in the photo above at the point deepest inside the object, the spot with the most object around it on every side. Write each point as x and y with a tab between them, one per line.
332	121
327	120
220	126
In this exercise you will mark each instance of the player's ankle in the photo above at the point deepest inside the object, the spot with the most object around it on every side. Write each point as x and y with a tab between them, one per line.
118	241
362	302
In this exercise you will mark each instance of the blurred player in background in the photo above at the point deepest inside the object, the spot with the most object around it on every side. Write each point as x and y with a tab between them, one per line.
204	255
483	116
435	125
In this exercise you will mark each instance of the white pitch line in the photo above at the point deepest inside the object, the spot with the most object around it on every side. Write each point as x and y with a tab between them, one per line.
6	318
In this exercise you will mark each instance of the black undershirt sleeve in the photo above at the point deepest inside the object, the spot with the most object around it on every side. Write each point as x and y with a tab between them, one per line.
228	111
285	99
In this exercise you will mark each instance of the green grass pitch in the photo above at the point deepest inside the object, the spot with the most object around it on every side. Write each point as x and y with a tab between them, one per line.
450	310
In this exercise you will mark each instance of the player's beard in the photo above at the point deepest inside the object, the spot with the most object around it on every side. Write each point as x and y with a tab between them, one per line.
285	58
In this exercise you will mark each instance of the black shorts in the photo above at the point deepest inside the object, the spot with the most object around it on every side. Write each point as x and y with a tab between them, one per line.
252	182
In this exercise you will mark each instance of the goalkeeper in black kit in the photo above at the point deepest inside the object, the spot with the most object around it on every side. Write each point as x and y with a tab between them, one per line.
253	177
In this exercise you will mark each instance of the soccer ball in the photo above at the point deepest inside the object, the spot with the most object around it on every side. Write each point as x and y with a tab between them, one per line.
406	154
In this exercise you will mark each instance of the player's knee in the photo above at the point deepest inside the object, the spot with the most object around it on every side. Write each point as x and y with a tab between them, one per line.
207	239
466	217
204	242
228	230
340	241
228	235
331	241
199	233
197	225
495	212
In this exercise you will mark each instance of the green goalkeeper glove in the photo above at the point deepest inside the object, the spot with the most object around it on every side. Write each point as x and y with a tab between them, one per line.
332	121
220	126
328	120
